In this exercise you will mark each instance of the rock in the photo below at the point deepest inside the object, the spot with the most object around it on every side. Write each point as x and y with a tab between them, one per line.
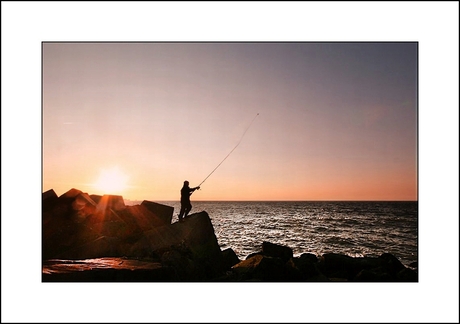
253	254
273	263
407	275
66	236
162	212
50	194
73	223
111	201
49	199
292	273
391	263
246	269
198	233
309	257
96	198
334	265
194	238
72	193
140	218
229	258
375	275
109	223
89	238
73	203
385	268
101	246
83	206
277	251
307	265
189	250
64	225
185	269
264	268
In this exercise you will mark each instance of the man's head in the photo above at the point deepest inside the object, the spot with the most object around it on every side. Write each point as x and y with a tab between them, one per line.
186	183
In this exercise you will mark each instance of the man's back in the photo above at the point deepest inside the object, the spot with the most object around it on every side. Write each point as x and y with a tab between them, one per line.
185	194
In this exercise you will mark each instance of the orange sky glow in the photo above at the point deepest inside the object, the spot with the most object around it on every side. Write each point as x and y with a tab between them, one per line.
337	121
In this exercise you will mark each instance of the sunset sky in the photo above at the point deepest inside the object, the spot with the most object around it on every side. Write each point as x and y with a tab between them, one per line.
337	121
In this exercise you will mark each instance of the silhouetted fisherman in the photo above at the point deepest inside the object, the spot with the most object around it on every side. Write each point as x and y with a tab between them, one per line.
185	205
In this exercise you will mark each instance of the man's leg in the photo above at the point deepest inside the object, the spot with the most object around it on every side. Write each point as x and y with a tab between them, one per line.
182	211
187	209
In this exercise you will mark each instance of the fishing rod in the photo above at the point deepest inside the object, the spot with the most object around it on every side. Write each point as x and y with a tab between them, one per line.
230	151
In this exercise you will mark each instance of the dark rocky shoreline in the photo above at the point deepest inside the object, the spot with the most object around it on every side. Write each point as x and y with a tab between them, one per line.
90	238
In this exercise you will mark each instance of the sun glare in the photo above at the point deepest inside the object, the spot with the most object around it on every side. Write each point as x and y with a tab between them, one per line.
111	181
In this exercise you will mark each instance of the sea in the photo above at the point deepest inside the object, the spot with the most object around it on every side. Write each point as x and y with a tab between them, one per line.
354	228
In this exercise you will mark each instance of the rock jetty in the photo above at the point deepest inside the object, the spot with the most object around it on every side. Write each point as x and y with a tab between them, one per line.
91	238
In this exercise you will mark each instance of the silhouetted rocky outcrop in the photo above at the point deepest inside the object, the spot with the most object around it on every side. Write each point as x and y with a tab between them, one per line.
76	226
275	263
91	238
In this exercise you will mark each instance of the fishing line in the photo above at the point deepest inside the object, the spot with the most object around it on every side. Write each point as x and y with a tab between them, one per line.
230	151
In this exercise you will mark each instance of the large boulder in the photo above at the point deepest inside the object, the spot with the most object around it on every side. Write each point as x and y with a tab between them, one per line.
273	264
307	264
229	258
163	214
385	268
277	251
49	198
76	227
114	202
194	238
188	250
63	223
139	218
73	223
264	268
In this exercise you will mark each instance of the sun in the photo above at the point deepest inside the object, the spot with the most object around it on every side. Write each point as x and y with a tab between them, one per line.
112	181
